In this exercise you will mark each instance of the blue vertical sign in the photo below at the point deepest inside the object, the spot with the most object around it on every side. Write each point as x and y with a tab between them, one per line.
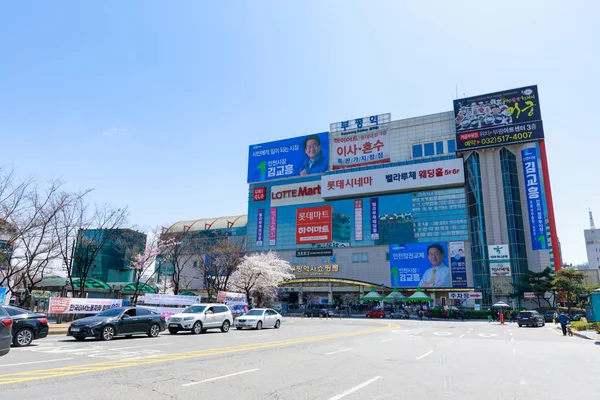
535	199
260	227
374	215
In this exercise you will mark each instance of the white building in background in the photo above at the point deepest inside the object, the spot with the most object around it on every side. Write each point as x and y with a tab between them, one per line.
592	245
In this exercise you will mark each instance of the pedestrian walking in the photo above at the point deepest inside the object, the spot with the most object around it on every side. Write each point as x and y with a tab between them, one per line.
564	319
489	315
555	318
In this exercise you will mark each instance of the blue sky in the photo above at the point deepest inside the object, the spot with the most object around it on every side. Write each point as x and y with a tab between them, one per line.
153	104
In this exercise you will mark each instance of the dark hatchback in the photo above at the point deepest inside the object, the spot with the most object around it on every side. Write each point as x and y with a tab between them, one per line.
121	321
549	315
27	325
316	313
5	332
530	318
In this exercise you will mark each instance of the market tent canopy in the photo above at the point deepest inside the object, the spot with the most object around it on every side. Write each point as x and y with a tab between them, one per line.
188	294
372	295
418	296
142	288
395	295
89	283
500	304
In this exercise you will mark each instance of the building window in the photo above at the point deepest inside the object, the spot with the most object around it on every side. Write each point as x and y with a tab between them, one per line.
195	264
387	256
429	150
295	260
417	150
364	257
355	258
439	148
451	146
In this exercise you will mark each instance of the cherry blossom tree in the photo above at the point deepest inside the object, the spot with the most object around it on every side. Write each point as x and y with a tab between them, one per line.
260	274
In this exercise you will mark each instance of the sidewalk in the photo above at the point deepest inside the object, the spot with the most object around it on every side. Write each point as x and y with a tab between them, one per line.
589	335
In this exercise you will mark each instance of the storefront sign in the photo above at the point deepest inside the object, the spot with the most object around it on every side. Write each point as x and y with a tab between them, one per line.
419	265
499	257
358	220
273	227
402	178
314	253
260	227
73	305
313	225
458	264
296	193
535	199
374	217
360	149
529	295
315	270
170	299
358	125
464	295
498	119
260	194
304	155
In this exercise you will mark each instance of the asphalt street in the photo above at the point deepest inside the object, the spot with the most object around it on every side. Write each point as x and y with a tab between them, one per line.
312	359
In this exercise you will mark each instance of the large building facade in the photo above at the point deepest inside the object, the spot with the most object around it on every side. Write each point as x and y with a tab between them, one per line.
456	203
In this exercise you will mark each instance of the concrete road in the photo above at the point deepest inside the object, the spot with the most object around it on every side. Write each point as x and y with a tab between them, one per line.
312	359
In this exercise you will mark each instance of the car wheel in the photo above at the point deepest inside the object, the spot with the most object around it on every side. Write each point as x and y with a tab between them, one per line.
23	337
197	328
520	325
79	338
108	332
277	324
382	316
225	326
154	330
238	328
173	331
368	316
544	323
259	325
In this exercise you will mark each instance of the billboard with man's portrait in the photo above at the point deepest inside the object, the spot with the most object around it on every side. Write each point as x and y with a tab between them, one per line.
423	265
287	158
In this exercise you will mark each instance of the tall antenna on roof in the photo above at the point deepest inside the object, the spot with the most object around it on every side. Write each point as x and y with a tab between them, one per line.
592	226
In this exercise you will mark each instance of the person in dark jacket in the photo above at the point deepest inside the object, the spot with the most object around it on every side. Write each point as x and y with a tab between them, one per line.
563	320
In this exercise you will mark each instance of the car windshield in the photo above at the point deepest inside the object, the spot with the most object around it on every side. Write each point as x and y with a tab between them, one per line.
194	309
255	312
111	312
525	314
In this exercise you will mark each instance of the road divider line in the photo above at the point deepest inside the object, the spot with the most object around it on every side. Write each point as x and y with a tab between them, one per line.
221	377
354	389
17	377
135	347
554	331
424	355
36	362
338	351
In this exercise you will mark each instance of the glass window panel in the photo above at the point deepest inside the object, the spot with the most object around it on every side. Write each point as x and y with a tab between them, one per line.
429	150
417	150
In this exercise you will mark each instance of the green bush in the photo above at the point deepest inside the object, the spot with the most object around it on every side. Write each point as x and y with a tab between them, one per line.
598	327
583	326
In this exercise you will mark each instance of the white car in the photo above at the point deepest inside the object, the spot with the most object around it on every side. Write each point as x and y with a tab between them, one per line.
198	318
257	318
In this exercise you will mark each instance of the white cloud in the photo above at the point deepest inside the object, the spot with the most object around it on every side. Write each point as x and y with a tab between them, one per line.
112	131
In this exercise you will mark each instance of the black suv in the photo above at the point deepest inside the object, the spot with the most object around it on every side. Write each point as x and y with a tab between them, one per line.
530	318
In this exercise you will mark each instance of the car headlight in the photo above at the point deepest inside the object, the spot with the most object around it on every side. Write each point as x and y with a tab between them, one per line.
94	324
188	318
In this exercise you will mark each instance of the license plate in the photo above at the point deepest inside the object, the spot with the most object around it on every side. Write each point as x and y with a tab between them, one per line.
74	329
173	325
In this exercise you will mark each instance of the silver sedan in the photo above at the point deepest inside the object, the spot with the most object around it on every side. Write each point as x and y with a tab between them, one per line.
259	318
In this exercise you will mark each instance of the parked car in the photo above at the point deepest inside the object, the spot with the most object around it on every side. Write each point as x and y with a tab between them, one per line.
576	317
548	315
27	325
316	313
530	318
257	318
375	313
198	318
121	321
6	324
401	313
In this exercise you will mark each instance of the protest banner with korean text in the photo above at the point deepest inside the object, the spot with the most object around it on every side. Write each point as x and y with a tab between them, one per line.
73	305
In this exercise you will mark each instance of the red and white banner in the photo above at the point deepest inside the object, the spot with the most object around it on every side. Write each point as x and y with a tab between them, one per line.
260	193
313	225
358	220
273	227
404	178
73	305
360	149
296	193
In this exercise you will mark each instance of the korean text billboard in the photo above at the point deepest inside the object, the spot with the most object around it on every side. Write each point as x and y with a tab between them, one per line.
402	178
360	149
458	265
499	257
72	305
313	225
420	265
498	119
304	155
535	199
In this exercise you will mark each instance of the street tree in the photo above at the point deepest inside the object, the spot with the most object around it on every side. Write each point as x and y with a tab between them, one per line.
569	283
221	256
260	274
541	284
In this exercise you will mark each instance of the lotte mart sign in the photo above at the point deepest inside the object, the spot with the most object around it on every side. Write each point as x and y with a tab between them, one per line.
499	258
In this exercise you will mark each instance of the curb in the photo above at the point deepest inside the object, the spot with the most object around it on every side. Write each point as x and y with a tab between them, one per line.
578	334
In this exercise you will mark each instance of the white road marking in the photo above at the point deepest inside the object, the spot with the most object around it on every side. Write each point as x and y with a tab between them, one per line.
385	340
514	351
512	339
447	385
510	333
442	333
135	347
36	362
354	389
461	336
221	377
424	355
338	351
486	335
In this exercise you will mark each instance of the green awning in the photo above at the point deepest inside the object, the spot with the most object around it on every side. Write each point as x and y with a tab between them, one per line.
188	294
53	282
142	288
91	283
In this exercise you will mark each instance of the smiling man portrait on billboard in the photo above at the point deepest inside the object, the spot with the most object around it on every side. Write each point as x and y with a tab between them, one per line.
315	162
439	273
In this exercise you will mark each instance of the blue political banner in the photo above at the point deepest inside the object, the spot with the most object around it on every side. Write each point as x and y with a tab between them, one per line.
458	265
420	265
2	294
535	199
300	156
